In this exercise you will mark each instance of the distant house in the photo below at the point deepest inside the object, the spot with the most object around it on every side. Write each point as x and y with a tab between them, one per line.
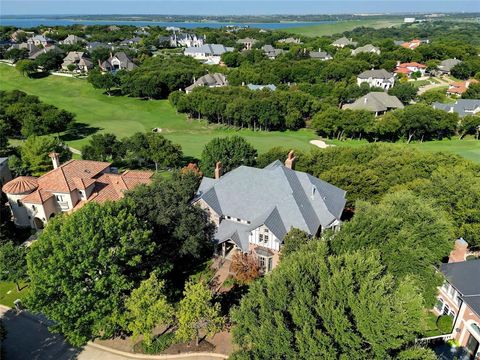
133	41
290	40
209	80
459	298
253	209
32	49
377	78
247	43
79	59
34	201
462	107
72	40
446	66
369	48
17	33
113	28
409	20
38	40
376	102
320	55
181	39
458	88
97	45
253	87
208	52
45	50
409	68
118	61
271	52
413	44
343	41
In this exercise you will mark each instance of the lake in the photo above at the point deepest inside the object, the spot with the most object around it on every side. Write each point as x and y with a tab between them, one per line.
34	22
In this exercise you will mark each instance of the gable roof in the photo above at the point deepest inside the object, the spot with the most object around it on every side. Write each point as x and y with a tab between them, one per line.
367	48
209	49
275	196
462	107
344	41
448	64
125	61
216	79
375	102
376	74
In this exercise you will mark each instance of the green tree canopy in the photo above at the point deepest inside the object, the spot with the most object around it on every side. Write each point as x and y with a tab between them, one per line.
34	153
13	264
315	306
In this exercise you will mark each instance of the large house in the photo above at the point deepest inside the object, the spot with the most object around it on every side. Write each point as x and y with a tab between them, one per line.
290	40
45	50
254	209
34	201
459	87
376	102
32	49
459	297
209	80
446	66
410	68
369	48
72	40
377	78
38	40
462	107
79	59
118	61
210	53
320	55
343	41
271	52
180	39
413	44
247	43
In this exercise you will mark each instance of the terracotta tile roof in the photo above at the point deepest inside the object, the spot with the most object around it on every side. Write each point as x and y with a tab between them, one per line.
111	187
403	70
413	64
62	178
20	185
37	197
460	87
82	184
412	44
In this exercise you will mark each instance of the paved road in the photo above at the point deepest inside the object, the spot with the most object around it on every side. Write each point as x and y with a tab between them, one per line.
27	339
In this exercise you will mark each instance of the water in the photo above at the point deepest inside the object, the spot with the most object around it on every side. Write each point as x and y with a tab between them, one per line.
34	22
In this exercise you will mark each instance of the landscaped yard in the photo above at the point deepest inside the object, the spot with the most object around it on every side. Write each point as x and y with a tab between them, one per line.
341	26
9	293
124	116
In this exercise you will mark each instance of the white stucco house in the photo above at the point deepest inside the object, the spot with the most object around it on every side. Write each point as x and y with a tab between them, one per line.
377	78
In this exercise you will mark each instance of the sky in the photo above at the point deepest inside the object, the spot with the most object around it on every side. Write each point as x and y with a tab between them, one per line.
230	7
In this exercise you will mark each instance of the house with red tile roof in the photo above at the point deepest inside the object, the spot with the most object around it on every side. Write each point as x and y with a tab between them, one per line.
34	201
413	44
410	68
459	87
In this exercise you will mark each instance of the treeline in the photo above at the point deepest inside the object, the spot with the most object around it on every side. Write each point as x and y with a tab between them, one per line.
24	115
414	122
244	108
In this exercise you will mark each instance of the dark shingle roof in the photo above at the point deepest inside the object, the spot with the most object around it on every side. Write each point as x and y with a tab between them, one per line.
464	276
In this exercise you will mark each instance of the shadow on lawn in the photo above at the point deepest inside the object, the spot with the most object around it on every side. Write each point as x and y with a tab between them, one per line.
79	131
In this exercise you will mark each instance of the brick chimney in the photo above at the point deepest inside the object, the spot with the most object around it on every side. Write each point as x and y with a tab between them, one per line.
459	253
290	161
55	159
218	170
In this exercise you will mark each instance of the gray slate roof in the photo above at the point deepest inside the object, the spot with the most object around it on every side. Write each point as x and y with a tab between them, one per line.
322	55
343	41
375	102
365	49
271	87
464	276
125	62
271	52
462	107
276	196
210	80
376	74
209	49
447	65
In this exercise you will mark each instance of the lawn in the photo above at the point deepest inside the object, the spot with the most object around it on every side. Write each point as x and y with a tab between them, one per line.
9	293
341	26
123	116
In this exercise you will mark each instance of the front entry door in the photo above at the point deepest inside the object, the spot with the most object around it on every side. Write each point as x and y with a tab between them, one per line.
472	346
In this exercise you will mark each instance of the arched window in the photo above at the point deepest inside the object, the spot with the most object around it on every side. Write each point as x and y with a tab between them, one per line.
476	328
439	305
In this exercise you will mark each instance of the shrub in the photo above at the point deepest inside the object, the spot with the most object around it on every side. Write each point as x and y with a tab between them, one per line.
159	344
444	324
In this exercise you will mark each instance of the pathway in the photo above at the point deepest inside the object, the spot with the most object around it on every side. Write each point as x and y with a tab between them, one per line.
431	86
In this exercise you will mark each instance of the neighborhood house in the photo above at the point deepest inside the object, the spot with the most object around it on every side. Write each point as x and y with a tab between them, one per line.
377	78
411	68
376	102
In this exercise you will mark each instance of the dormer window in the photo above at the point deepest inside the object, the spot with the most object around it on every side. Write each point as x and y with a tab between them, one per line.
59	198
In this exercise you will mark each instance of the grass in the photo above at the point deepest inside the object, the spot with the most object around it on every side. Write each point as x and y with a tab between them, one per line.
341	26
124	116
431	328
9	293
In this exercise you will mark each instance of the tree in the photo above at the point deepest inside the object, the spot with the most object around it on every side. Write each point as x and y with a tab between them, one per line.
462	70
409	232
197	313
71	67
329	122
315	306
147	306
245	267
34	153
84	265
103	147
13	265
26	67
417	353
16	54
231	151
293	241
473	91
275	153
106	81
50	60
154	148
469	124
404	92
